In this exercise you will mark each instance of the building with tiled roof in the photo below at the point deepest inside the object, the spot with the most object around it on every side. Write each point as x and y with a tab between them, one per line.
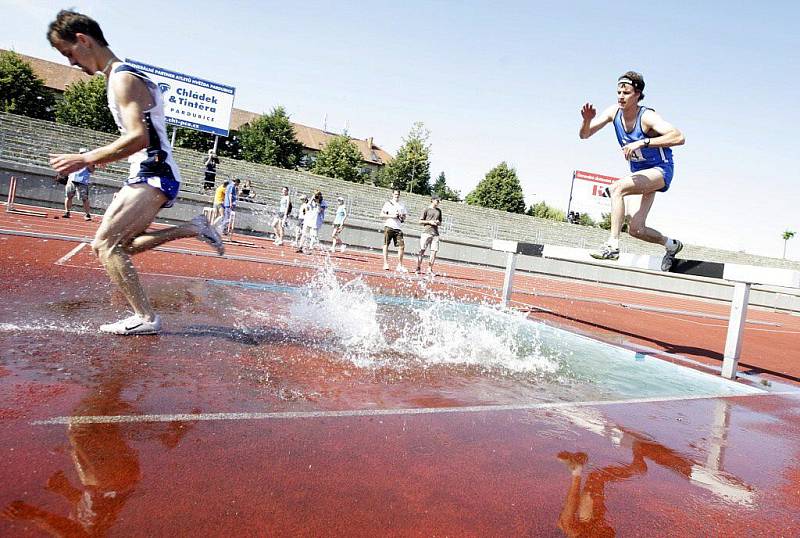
58	76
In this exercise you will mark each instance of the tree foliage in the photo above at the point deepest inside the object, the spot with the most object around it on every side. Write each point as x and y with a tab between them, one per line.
544	211
444	192
410	170
341	159
270	139
606	222
21	91
500	189
85	105
229	146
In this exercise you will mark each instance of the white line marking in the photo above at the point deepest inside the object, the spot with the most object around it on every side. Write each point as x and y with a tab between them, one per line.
70	254
189	417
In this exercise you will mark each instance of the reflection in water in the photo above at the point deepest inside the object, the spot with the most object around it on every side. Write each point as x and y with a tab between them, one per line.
107	469
584	512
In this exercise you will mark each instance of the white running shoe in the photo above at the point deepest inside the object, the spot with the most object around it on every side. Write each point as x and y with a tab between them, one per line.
669	257
208	234
605	252
132	326
401	269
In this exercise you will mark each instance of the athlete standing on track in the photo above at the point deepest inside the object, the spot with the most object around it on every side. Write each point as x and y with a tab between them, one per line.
646	140
154	182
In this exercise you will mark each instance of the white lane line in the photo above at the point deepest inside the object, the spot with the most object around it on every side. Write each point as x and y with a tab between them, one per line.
191	417
70	254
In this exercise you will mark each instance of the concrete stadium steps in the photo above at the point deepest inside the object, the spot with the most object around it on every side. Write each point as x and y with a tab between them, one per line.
29	141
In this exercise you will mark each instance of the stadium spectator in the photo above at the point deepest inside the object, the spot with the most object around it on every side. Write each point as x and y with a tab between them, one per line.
298	221
248	192
395	214
431	219
281	217
78	182
338	222
228	207
211	170
312	221
219	200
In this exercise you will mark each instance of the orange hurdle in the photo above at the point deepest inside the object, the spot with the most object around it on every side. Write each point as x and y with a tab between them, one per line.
12	194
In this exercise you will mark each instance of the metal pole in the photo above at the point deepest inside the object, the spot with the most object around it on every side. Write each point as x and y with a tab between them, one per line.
572	186
174	132
733	343
508	281
216	142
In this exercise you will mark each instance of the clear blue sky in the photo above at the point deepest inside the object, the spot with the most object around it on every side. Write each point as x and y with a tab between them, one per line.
504	81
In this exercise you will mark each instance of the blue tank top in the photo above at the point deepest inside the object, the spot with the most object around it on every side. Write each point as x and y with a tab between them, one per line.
645	157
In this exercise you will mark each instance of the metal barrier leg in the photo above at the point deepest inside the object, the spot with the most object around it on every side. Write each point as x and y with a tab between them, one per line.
733	343
508	282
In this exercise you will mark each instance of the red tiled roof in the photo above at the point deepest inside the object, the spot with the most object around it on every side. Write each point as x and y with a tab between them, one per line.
58	76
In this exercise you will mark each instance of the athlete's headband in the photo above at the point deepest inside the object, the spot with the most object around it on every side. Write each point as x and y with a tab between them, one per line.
626	80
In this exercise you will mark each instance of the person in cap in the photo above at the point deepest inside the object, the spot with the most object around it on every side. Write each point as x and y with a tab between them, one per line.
338	222
301	215
646	140
78	183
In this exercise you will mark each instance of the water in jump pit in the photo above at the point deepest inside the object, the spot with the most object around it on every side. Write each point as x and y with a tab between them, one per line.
450	352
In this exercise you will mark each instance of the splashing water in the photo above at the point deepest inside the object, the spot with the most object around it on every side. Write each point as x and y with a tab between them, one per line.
404	333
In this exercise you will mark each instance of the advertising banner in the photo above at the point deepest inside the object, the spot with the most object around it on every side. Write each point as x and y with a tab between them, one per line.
589	193
192	102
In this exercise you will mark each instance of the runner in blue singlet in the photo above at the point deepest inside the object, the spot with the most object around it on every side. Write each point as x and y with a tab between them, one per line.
646	140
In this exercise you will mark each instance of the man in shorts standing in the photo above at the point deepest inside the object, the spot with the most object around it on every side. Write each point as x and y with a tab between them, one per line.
154	180
228	207
395	214
646	139
78	182
282	215
431	219
219	200
338	223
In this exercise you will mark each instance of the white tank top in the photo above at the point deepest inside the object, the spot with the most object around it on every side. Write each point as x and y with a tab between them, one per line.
156	159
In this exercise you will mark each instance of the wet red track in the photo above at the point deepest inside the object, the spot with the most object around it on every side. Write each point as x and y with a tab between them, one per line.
339	461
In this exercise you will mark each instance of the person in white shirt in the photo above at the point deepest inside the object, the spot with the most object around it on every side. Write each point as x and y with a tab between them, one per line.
312	221
395	214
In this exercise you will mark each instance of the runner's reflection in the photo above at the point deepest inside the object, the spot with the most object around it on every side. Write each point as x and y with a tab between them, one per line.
584	512
107	470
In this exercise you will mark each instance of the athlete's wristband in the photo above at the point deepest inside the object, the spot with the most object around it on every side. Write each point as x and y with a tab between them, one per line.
647	142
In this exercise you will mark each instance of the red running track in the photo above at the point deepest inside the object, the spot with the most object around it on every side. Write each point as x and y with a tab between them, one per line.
357	453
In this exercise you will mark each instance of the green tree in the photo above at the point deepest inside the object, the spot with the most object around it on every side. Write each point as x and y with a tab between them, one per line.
606	222
85	105
410	170
788	234
21	91
270	139
544	211
500	189
586	220
340	158
229	146
444	192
